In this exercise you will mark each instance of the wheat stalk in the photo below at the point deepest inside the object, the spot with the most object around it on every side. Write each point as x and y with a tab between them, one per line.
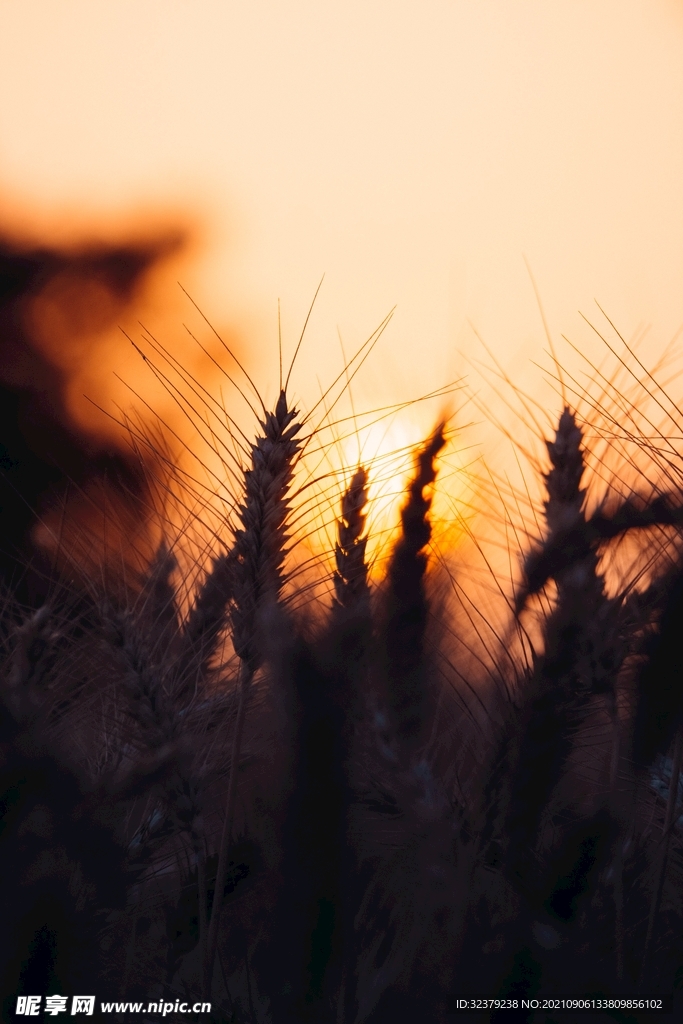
407	607
256	560
572	665
663	853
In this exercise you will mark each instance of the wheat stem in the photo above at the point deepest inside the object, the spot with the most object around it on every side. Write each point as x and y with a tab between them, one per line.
200	855
669	818
244	684
256	580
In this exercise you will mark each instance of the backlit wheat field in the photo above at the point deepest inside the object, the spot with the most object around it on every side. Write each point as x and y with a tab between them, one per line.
311	739
341	511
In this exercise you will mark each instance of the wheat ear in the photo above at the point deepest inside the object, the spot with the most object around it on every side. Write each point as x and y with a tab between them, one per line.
574	662
202	628
407	606
257	557
565	554
137	640
351	576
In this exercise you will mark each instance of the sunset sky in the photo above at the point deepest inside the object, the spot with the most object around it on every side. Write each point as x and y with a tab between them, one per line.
412	153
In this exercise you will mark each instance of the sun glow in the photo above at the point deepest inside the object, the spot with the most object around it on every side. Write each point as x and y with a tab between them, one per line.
431	157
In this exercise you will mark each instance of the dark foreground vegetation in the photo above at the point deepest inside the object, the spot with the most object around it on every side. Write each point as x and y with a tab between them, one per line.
353	811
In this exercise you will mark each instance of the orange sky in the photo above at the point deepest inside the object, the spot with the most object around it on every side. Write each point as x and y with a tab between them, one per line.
411	152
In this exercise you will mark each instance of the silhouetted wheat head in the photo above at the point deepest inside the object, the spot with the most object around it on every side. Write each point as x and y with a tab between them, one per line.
323	787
